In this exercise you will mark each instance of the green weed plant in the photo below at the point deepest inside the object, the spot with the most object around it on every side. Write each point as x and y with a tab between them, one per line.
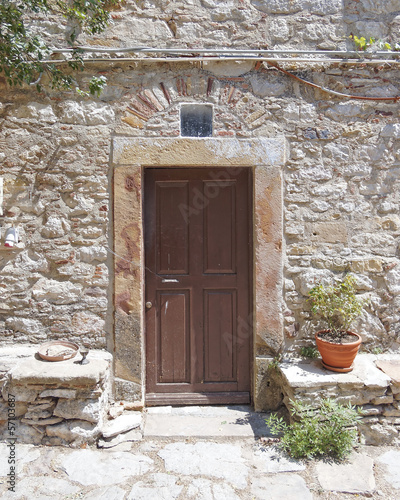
309	352
329	431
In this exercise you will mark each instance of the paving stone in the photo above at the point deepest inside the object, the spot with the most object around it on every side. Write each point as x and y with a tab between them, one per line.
160	486
122	423
184	426
25	453
200	421
149	446
202	489
89	467
110	493
4	467
392	461
42	488
272	460
224	461
280	487
354	476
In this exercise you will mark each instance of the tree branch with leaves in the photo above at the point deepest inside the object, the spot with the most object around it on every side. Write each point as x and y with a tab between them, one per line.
25	56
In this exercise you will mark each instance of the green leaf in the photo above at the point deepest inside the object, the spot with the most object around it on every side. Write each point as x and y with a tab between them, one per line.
337	304
97	84
23	55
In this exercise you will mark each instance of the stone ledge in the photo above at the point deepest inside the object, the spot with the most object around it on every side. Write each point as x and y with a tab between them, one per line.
70	372
302	374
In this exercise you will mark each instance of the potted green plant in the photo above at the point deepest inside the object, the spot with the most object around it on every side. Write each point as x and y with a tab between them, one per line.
338	305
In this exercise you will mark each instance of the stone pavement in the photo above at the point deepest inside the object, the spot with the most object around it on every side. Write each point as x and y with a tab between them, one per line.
199	453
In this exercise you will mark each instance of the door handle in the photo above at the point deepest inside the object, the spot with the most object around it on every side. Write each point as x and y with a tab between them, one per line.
149	305
169	281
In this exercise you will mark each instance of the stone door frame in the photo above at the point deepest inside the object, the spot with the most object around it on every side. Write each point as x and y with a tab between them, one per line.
130	155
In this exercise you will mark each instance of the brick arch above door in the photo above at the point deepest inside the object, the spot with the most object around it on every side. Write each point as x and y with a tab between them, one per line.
130	155
234	93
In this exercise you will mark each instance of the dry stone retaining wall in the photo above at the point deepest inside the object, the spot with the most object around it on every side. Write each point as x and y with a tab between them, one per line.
373	387
53	403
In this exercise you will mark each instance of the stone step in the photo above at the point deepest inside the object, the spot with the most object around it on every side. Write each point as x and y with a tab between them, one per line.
205	422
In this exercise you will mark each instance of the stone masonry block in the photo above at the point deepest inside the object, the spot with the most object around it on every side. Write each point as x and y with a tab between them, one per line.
81	409
382	400
59	393
74	431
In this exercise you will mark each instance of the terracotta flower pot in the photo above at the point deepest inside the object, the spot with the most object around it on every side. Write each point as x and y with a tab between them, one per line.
338	357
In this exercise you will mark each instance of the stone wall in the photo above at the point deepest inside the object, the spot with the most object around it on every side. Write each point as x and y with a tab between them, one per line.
53	403
55	168
341	193
341	180
312	24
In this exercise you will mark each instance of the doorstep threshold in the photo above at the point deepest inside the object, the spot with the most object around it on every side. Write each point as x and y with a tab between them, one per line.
204	422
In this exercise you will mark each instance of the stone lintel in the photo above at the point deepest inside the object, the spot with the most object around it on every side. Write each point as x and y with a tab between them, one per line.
199	152
66	373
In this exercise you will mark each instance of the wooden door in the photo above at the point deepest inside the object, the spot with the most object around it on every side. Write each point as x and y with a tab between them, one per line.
198	254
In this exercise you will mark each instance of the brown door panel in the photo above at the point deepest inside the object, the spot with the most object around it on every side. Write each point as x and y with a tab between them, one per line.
198	278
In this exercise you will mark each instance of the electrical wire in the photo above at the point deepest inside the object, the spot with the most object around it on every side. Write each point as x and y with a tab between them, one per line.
186	55
344	54
334	92
225	58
